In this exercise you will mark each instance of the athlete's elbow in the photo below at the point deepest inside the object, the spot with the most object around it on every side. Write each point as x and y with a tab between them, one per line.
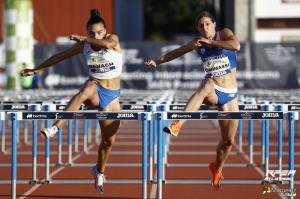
238	47
235	47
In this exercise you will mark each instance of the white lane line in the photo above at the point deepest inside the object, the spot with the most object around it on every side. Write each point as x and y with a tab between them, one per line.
35	187
153	189
259	170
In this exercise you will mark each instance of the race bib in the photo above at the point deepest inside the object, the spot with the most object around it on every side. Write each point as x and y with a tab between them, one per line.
217	67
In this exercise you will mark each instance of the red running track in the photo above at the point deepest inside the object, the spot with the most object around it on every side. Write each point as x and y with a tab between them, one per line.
196	144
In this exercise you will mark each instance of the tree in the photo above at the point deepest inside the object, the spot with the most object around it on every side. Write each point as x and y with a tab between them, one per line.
165	18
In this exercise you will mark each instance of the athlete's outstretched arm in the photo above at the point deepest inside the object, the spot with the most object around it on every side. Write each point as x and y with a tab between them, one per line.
173	54
75	49
111	42
228	40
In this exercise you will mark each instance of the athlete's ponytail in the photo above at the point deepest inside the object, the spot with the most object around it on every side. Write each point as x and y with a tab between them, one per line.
95	18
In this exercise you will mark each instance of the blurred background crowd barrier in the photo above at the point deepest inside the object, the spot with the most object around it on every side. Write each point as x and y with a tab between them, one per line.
33	30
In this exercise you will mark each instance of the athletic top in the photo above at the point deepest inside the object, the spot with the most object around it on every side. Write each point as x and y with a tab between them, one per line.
103	64
217	61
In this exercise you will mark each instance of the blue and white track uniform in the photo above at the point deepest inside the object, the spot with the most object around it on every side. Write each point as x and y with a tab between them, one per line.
219	62
104	64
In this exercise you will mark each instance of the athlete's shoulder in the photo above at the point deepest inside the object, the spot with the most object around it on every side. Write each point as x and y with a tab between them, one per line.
226	32
113	37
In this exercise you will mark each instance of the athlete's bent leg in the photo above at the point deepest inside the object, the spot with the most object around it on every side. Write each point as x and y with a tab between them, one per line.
205	91
88	92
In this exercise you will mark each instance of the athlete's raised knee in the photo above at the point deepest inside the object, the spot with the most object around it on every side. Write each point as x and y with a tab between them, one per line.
107	143
228	143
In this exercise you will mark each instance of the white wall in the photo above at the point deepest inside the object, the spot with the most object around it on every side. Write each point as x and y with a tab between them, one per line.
276	35
276	9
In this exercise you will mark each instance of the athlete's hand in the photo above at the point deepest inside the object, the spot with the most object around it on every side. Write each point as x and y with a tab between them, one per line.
77	38
28	72
203	41
151	63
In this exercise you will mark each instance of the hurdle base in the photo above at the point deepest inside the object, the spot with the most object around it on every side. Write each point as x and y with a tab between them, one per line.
33	181
39	182
250	165
155	181
262	165
59	164
69	164
276	182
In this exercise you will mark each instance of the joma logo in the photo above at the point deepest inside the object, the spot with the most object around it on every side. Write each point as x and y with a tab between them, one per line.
18	107
270	115
137	107
125	115
250	107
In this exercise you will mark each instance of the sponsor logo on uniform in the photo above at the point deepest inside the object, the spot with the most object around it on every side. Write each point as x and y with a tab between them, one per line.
202	50
231	95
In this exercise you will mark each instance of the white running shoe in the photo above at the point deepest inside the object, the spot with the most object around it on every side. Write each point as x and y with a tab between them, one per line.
99	179
49	132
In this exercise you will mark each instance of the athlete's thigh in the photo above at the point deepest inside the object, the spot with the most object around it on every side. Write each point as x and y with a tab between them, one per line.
90	89
110	127
211	99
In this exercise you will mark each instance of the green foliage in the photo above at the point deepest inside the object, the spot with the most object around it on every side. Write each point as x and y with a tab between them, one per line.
164	18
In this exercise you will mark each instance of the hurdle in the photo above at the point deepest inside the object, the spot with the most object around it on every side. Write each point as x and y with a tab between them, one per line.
143	117
16	107
208	115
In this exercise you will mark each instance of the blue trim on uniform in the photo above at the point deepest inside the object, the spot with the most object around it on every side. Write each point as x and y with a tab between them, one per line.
207	52
224	98
106	96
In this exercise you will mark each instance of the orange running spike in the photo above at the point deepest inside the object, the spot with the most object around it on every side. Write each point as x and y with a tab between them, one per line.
217	176
173	128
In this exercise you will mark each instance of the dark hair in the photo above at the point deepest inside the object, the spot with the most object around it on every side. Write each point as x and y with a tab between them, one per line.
95	18
204	14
